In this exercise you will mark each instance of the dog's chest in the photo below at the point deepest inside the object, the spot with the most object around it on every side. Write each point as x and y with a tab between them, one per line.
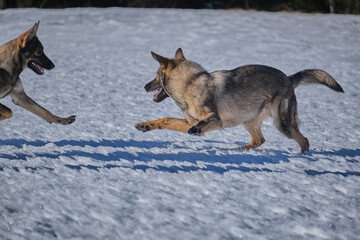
183	99
6	83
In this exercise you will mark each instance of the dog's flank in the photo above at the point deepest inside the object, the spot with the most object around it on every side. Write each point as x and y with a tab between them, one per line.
15	56
246	95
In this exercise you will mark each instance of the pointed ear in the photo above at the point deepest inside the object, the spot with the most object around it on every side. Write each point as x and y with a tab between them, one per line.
162	60
33	30
179	54
28	35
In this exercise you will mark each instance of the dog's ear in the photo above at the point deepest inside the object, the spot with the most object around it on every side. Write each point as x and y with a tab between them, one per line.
28	35
179	54
164	62
33	31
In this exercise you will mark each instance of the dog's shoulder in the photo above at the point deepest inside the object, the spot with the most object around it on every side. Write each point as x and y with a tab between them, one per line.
4	75
5	82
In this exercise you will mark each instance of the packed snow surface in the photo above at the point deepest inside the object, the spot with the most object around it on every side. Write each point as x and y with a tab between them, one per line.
100	178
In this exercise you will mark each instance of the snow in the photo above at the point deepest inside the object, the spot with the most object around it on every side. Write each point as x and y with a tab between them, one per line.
100	178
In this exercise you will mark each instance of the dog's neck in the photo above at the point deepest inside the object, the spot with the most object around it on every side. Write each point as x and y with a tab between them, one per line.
177	86
10	59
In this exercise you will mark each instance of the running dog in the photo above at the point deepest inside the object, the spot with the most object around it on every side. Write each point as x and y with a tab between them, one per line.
245	95
15	56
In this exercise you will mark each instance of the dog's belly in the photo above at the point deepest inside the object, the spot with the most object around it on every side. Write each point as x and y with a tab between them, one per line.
234	112
231	118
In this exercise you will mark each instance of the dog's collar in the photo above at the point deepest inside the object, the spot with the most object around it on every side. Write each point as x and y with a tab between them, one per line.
162	79
162	76
163	83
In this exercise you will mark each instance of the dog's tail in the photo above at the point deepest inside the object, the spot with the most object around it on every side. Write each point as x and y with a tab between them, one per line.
310	76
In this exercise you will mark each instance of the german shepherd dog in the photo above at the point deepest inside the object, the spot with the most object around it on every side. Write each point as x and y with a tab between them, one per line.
245	95
15	56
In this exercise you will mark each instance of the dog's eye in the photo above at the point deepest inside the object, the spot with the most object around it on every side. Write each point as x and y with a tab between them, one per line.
38	53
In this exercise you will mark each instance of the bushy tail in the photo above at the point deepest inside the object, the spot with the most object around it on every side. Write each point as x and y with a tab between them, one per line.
310	76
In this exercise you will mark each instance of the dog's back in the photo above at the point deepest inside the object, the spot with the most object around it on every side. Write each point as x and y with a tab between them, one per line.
242	93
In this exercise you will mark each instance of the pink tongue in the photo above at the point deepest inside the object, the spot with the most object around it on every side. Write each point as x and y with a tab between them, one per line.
39	68
157	92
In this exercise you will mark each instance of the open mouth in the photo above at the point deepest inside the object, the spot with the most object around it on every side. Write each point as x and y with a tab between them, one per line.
158	92
154	86
36	68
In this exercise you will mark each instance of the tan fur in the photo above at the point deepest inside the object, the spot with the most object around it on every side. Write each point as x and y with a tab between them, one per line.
246	95
5	112
254	128
14	58
174	124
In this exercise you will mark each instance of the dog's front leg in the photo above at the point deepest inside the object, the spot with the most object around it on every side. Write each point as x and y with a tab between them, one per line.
20	98
175	124
5	112
209	123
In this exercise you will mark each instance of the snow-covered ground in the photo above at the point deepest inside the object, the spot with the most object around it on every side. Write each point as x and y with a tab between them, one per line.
100	178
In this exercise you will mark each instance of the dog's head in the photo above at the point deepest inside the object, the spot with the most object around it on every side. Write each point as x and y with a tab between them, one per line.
32	52
160	84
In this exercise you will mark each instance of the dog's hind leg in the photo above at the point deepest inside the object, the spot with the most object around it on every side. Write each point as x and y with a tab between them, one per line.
300	139
254	128
5	112
175	124
285	119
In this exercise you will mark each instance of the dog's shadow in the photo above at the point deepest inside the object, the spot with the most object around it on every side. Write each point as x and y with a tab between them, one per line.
143	153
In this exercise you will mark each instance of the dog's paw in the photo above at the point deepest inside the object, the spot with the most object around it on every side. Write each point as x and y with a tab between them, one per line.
66	121
142	127
70	119
195	131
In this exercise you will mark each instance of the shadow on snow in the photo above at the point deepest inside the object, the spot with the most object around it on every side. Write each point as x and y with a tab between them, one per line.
190	160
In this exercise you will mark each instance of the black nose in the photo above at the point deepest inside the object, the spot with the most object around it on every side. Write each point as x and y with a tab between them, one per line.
52	65
147	87
46	62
